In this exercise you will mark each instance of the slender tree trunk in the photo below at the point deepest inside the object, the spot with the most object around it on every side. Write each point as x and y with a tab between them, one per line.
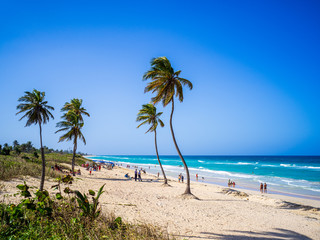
74	154
155	142
43	161
188	190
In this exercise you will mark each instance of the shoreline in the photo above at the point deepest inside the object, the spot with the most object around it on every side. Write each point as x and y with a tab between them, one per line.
249	187
278	196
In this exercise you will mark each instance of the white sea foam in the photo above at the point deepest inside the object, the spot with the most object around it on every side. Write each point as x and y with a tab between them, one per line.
268	165
310	167
285	165
200	161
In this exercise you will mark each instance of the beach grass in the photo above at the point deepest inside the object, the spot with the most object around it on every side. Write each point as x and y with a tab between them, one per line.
27	165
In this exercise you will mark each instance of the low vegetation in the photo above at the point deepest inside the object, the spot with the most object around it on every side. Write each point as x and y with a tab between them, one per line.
72	216
27	164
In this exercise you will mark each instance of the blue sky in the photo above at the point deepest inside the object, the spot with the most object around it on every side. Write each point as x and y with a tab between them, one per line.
254	66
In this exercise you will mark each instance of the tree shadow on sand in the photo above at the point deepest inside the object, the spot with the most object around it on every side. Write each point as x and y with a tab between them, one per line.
279	233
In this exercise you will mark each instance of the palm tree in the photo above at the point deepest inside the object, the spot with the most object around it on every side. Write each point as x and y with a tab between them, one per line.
148	114
167	84
73	122
37	112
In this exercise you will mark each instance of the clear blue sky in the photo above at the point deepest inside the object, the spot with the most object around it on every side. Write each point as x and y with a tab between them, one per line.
254	66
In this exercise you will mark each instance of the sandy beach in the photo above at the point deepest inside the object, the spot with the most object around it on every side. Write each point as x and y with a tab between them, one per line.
220	213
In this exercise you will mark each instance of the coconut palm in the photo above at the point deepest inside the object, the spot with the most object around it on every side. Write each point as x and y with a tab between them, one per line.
167	84
148	114
37	112
72	125
75	105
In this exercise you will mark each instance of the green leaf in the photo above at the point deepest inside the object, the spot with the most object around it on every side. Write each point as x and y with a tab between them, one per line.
21	187
92	193
58	196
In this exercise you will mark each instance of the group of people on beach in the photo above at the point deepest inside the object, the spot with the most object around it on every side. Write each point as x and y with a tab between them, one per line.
231	183
263	188
91	168
137	175
56	167
180	177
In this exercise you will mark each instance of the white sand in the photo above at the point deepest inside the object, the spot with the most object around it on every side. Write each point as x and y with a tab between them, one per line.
216	215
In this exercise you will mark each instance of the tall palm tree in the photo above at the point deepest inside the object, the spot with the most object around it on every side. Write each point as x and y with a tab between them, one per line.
74	107
72	125
148	114
37	112
167	84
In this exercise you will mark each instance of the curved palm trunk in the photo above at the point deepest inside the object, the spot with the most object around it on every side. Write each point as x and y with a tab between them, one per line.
188	190
74	154
155	142
43	161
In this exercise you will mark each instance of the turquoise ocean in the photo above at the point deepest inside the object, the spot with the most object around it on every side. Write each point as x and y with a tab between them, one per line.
290	175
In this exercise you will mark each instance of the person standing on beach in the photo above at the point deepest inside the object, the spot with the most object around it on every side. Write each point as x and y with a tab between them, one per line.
197	177
265	187
139	176
135	174
182	177
261	187
179	177
158	174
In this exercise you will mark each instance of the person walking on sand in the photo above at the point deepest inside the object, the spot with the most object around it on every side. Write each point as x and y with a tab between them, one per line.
90	170
261	187
135	174
265	187
197	177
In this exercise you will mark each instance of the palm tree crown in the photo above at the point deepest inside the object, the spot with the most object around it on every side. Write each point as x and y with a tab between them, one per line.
165	81
75	106
148	114
72	126
35	108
